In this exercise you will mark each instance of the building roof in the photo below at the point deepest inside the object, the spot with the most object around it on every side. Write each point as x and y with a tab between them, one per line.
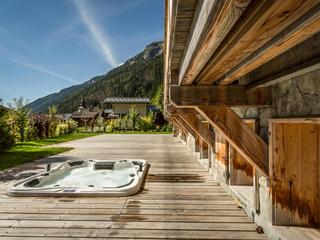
126	100
84	113
63	117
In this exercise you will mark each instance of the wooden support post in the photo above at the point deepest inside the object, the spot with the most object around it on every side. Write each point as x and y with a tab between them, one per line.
209	157
197	143
174	131
256	192
241	171
203	149
227	162
239	135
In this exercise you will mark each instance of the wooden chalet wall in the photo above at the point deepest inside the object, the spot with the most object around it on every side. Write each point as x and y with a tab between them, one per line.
295	172
224	56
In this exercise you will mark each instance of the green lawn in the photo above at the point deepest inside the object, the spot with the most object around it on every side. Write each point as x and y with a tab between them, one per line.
66	138
137	132
30	151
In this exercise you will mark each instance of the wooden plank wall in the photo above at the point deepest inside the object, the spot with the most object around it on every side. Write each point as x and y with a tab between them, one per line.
295	170
241	171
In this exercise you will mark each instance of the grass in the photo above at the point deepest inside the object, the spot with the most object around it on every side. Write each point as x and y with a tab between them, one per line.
66	138
33	150
137	132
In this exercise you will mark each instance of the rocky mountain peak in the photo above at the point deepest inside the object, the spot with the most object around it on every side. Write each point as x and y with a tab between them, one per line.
153	50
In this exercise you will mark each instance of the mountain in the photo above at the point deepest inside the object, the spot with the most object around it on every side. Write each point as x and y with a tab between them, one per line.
139	76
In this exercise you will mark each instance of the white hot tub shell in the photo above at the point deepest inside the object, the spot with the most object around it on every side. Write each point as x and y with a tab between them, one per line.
86	178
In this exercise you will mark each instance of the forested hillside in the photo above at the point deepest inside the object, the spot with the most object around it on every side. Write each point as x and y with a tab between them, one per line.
140	76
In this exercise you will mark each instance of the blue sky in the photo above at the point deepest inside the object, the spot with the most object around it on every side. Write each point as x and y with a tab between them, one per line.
47	45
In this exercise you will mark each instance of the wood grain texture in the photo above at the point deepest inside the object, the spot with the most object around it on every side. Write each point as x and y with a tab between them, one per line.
172	205
214	21
190	117
300	30
185	124
239	135
186	96
295	172
241	171
262	21
183	17
298	70
179	126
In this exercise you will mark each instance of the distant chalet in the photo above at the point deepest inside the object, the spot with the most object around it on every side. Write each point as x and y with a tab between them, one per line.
121	105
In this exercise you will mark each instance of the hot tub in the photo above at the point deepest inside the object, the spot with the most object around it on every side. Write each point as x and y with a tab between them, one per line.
86	178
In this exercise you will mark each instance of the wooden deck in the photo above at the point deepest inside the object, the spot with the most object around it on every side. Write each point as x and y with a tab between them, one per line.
178	202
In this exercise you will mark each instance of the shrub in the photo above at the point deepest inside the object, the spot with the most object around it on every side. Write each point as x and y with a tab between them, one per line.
62	129
100	122
53	121
115	124
72	125
133	116
19	116
41	124
146	122
6	138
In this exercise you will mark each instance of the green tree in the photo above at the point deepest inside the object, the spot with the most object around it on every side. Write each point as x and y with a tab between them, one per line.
133	115
6	138
53	123
100	122
157	99
20	115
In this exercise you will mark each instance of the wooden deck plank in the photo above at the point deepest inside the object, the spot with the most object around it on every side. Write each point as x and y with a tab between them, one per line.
132	233
178	202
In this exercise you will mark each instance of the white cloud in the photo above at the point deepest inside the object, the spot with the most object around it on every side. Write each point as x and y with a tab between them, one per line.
95	32
13	56
44	70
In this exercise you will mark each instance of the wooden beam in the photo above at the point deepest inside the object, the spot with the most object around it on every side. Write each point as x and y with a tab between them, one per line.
169	21
183	19
178	125
239	135
212	21
219	95
185	124
303	28
267	29
189	115
303	68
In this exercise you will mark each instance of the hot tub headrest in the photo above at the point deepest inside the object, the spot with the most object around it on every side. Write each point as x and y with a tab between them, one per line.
123	164
104	165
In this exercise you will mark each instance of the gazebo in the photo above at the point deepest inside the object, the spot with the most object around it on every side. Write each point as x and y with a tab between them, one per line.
84	115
